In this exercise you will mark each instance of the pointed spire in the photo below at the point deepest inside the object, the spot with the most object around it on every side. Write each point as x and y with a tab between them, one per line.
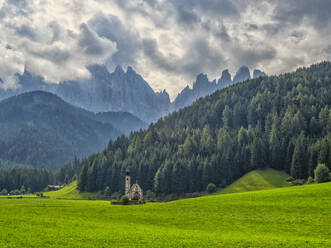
119	69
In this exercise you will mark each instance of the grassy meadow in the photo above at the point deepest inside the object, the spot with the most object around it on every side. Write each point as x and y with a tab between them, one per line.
286	217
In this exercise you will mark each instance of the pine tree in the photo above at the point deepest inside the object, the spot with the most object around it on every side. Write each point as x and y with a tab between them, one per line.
299	159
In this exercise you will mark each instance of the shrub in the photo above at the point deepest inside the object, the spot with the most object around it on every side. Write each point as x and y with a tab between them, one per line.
41	194
321	173
310	180
211	188
125	199
298	182
4	192
290	179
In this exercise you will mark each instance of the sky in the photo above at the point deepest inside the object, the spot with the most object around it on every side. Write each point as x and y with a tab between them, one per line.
168	42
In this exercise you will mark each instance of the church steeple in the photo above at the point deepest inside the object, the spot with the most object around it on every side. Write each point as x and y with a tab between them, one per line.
127	182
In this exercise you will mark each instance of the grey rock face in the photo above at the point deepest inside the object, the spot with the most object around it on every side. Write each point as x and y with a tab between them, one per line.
225	79
201	87
242	74
257	73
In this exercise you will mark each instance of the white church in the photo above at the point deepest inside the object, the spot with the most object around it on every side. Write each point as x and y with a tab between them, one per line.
134	192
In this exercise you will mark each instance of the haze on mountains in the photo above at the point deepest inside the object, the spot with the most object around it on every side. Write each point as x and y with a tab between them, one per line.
122	91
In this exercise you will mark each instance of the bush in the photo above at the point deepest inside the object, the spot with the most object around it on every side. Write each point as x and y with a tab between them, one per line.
321	173
310	180
298	182
290	179
211	188
4	192
125	199
40	194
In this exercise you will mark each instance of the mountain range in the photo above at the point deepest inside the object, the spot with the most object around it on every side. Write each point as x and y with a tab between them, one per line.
203	87
125	91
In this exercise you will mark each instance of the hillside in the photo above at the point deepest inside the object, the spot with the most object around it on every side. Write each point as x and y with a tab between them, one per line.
70	192
287	217
282	122
258	180
42	130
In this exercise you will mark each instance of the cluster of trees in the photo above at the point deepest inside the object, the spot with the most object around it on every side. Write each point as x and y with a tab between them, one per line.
19	179
283	122
25	180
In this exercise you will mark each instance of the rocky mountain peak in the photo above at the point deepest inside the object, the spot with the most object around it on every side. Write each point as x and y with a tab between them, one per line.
119	70
225	79
242	74
257	73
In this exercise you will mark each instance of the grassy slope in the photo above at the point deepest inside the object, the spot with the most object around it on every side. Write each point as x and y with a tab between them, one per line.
69	192
258	180
286	217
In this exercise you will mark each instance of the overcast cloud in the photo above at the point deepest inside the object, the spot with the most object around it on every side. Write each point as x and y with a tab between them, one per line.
168	42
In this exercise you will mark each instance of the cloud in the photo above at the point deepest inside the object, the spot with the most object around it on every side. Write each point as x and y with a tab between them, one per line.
93	45
168	42
128	42
295	12
11	62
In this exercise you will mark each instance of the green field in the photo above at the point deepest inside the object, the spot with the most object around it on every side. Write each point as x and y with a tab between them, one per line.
258	180
286	217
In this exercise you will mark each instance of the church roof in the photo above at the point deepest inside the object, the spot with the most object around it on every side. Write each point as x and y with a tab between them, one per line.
135	187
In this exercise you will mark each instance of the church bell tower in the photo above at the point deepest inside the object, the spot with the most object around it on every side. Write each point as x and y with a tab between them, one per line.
127	182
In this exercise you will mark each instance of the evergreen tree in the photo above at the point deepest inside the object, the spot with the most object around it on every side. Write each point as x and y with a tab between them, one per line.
299	159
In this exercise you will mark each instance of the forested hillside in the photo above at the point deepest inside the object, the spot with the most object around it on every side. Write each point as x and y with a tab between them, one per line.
283	122
41	130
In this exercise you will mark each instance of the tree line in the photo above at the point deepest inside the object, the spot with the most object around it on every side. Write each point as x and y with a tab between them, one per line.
18	179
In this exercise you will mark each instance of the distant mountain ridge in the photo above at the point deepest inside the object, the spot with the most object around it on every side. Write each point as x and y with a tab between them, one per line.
103	92
203	87
122	91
